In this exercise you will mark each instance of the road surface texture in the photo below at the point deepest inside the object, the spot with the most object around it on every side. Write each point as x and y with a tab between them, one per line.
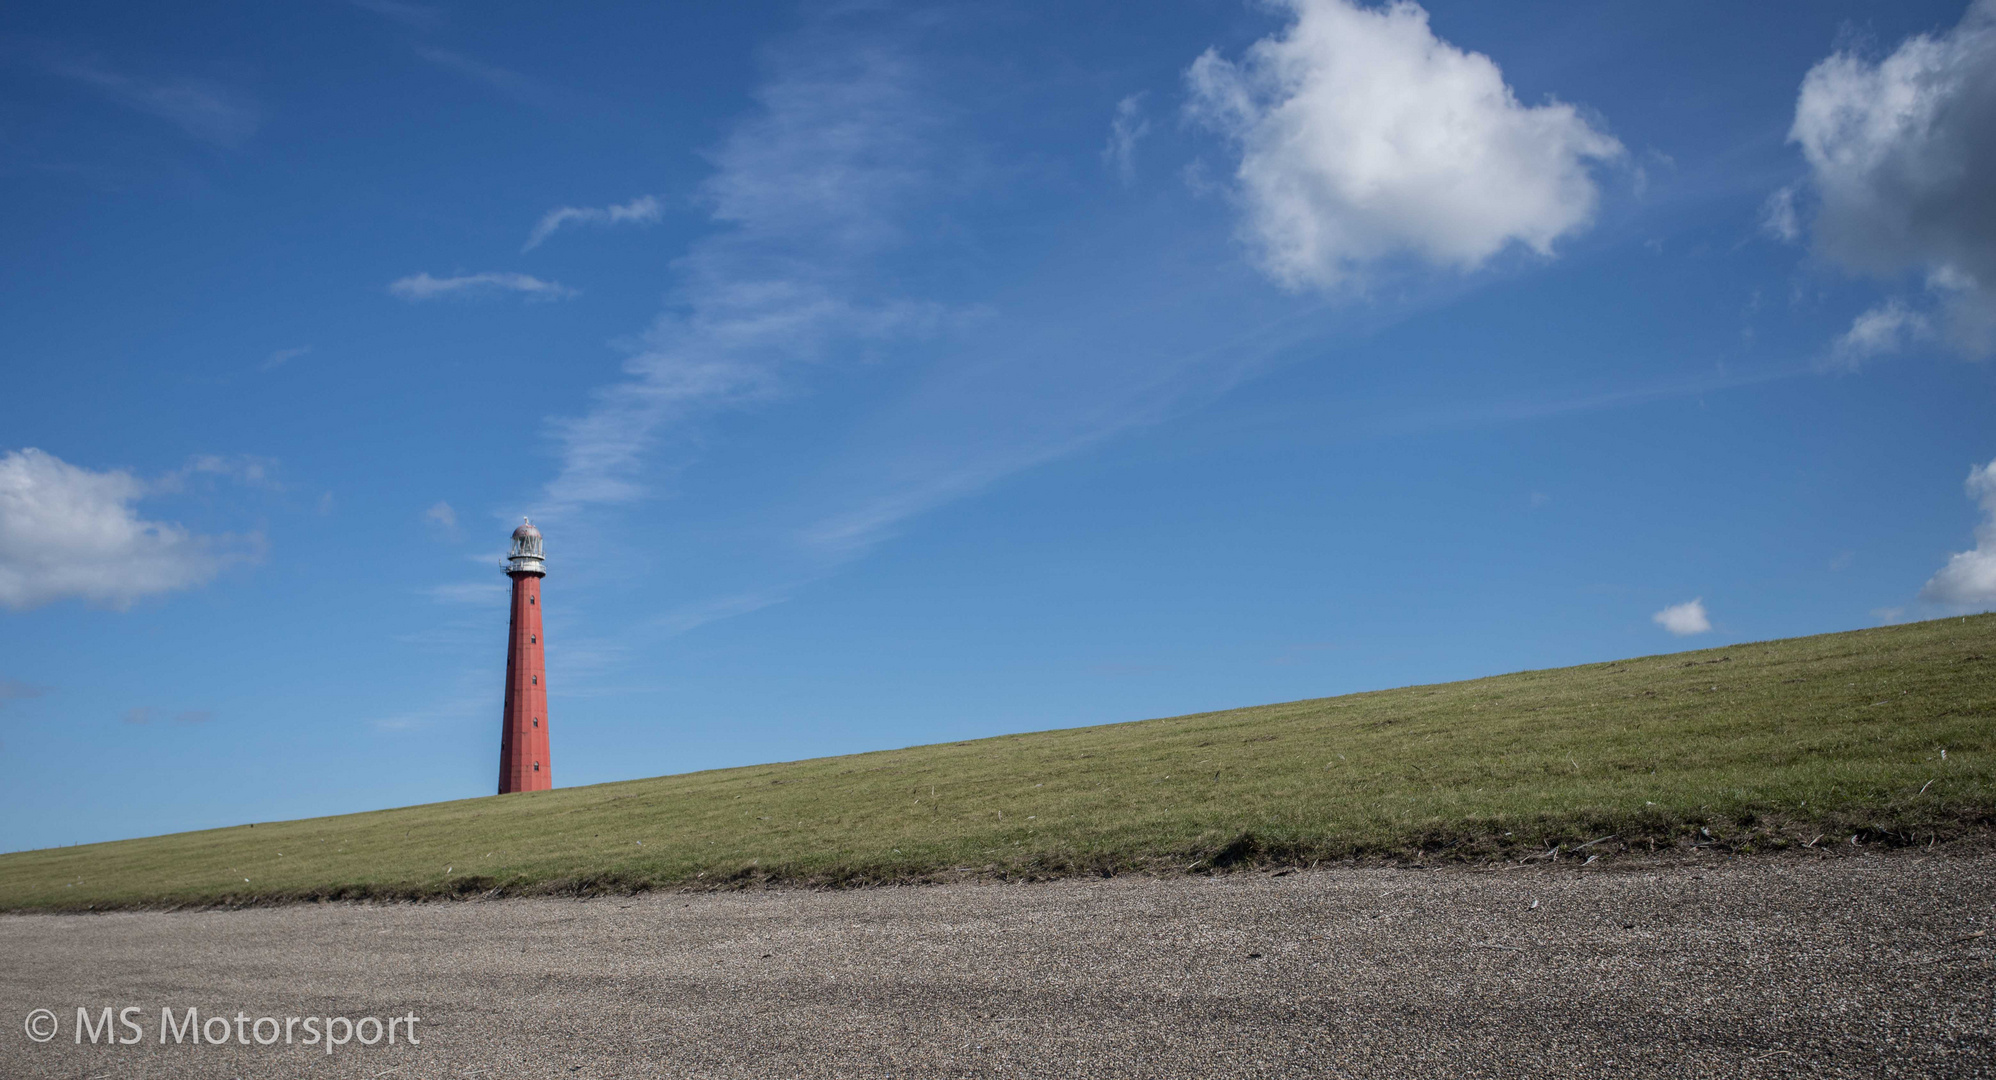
1866	965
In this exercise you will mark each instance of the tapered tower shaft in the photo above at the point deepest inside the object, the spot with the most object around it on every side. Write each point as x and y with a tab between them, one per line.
524	763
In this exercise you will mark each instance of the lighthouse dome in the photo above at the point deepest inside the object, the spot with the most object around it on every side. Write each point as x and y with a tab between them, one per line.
526	555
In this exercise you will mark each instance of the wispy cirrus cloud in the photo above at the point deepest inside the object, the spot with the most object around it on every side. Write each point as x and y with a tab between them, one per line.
247	469
523	89
643	210
425	287
207	110
806	192
1127	127
1372	420
282	357
146	714
688	616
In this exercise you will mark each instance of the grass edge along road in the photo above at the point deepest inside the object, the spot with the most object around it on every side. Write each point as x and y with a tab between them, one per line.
1887	735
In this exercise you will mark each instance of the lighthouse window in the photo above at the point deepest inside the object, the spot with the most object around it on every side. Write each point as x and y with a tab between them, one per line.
537	680
537	766
533	639
537	721
533	600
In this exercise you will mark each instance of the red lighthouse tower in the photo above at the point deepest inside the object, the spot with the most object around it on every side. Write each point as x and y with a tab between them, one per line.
523	741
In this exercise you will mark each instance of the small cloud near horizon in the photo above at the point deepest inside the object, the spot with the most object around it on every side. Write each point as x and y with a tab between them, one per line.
1684	619
1968	581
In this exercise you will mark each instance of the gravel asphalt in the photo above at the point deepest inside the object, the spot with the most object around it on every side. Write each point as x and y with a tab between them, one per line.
1862	965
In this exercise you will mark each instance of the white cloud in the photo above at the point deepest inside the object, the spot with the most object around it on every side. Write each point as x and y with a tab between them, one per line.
1126	127
643	210
1902	161
442	516
1969	578
1365	137
1684	619
208	111
1886	328
424	287
69	532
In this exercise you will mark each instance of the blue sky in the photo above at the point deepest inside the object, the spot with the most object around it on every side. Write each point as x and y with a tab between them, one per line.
889	374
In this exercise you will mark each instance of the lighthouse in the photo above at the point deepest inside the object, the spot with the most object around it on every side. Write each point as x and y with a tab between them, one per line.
523	738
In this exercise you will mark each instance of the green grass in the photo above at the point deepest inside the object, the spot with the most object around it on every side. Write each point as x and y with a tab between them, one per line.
1886	734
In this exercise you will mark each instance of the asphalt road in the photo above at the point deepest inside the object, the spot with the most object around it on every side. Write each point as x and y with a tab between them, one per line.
1868	965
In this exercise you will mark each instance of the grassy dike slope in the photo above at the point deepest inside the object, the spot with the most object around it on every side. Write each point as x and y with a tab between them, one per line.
1749	746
